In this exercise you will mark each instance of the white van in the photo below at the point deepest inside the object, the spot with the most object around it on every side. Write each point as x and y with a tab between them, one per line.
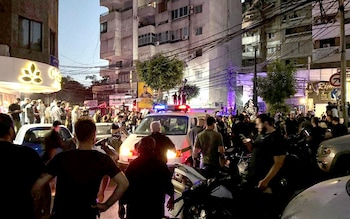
175	125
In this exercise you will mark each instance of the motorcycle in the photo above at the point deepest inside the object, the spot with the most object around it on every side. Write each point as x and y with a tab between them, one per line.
199	196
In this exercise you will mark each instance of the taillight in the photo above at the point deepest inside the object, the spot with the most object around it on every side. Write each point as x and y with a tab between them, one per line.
134	153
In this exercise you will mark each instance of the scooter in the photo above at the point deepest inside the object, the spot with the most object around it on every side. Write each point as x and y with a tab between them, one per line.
198	196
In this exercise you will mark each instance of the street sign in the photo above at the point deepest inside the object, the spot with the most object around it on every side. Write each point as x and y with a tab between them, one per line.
334	80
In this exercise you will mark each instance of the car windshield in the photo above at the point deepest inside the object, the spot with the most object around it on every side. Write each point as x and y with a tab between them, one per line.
103	129
170	124
37	135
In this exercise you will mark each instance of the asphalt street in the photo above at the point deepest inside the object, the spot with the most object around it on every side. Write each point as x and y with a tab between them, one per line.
112	212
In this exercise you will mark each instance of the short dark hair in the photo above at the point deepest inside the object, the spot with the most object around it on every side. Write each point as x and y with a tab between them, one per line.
146	145
210	120
5	124
266	118
84	128
241	117
335	119
56	123
115	126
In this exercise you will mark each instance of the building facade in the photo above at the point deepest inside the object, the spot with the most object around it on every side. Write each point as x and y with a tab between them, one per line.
201	33
308	37
28	48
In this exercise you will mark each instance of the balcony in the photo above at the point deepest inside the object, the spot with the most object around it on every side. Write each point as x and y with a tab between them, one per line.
146	10
328	54
118	5
107	72
111	3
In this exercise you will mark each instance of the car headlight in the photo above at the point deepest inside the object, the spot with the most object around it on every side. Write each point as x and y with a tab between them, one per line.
325	151
171	154
124	151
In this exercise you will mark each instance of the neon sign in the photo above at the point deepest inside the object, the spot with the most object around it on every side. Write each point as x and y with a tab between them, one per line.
31	75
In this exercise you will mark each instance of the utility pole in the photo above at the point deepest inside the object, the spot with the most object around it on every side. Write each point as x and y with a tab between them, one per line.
255	91
343	63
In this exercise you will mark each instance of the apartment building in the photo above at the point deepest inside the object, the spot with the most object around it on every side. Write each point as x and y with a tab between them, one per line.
199	32
287	37
28	48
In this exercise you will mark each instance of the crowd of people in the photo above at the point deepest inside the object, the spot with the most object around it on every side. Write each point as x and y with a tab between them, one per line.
78	180
29	111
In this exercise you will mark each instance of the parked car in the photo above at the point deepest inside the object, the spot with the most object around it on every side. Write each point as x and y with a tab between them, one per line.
327	199
333	156
32	135
175	125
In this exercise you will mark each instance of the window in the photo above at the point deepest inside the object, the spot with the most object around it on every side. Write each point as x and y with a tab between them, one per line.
296	30
198	9
163	37
271	35
199	52
172	124
123	77
179	13
103	27
30	34
271	50
162	6
119	64
327	43
198	74
199	31
180	34
147	39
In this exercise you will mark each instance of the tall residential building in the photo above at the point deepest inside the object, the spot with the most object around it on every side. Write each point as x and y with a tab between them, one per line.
202	33
326	34
28	48
287	37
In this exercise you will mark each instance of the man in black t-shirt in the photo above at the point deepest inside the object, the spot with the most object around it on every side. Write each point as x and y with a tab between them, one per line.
146	171
338	129
79	173
14	111
268	155
20	167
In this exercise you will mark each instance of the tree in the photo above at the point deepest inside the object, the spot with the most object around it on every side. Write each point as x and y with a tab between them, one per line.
161	73
71	91
278	85
190	90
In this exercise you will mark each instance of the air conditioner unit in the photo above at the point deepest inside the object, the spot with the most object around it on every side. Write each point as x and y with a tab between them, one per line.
185	37
191	9
156	43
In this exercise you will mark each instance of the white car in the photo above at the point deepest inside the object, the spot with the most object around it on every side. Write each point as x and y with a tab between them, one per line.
32	135
175	125
327	199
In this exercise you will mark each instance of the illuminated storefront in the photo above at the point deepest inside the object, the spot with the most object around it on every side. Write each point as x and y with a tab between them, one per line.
21	76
